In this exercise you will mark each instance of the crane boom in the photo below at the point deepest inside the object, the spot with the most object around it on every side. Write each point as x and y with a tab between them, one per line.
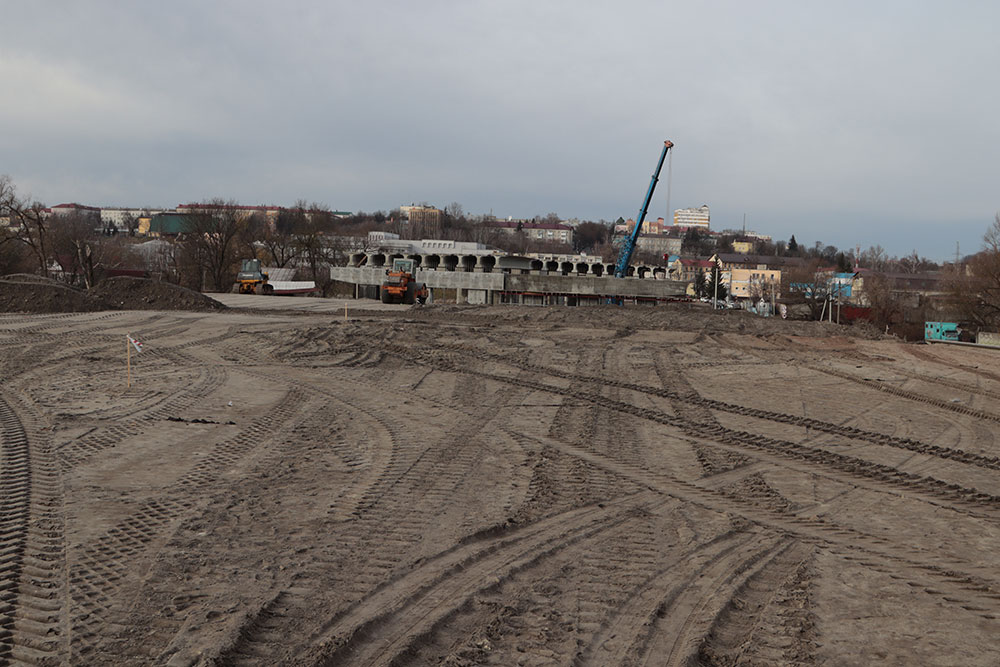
621	268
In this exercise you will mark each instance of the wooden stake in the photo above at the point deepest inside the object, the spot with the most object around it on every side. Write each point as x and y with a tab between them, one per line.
128	361
345	312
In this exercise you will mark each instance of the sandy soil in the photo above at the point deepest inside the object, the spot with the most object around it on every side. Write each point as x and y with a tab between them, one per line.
503	486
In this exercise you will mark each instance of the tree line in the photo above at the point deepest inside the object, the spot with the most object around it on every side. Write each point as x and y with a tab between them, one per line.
309	236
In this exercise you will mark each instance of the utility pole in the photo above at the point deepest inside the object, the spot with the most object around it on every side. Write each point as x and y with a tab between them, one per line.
715	285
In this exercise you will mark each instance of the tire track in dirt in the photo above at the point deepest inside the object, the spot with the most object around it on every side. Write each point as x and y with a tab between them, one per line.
168	615
972	591
910	395
74	345
98	567
388	514
853	467
683	619
81	450
575	421
384	626
769	620
261	637
960	499
970	585
450	362
922	354
626	632
713	460
40	324
31	550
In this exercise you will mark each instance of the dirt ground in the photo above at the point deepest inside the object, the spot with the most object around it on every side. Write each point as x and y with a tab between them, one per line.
503	486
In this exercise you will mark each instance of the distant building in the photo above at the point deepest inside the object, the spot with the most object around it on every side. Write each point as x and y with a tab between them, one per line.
688	270
660	244
731	260
542	231
76	209
427	215
692	217
657	226
269	213
161	225
754	283
118	218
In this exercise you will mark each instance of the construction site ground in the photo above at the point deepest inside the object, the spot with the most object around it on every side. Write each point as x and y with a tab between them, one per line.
492	485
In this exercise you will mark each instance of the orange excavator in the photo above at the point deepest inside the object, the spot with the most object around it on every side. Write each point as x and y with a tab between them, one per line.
399	285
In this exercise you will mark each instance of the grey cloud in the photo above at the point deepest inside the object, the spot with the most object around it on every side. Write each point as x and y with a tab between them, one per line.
853	123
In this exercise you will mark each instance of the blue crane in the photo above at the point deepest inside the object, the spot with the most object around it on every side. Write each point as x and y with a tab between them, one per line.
621	268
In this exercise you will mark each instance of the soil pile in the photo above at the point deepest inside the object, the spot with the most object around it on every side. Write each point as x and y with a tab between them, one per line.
45	296
128	293
25	293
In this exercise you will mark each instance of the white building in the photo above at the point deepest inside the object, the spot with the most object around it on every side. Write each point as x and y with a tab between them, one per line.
118	217
692	217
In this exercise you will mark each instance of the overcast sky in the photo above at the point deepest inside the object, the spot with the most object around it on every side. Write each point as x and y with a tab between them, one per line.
851	123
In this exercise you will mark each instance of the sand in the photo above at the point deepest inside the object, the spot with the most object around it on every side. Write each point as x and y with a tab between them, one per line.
506	486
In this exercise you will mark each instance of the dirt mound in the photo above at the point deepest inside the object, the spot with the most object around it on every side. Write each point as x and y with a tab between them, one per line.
129	293
42	296
26	293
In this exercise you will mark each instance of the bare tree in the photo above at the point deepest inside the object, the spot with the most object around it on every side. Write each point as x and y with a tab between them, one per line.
318	251
212	241
874	258
28	222
975	288
281	247
880	294
807	285
77	246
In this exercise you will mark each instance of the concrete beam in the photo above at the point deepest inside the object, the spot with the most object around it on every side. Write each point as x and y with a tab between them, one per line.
511	282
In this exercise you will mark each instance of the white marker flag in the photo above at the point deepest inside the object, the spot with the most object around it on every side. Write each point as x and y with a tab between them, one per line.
135	343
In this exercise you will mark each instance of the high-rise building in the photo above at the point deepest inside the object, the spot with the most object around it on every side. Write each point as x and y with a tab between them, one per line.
692	217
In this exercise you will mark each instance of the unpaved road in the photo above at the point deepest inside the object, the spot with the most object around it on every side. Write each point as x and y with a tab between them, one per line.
493	486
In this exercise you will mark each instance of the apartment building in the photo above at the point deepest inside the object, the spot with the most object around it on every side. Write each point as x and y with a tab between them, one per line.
754	283
427	215
692	217
542	231
660	244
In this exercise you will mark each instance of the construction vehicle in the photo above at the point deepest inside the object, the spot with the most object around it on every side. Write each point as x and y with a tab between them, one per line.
399	285
628	246
251	279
